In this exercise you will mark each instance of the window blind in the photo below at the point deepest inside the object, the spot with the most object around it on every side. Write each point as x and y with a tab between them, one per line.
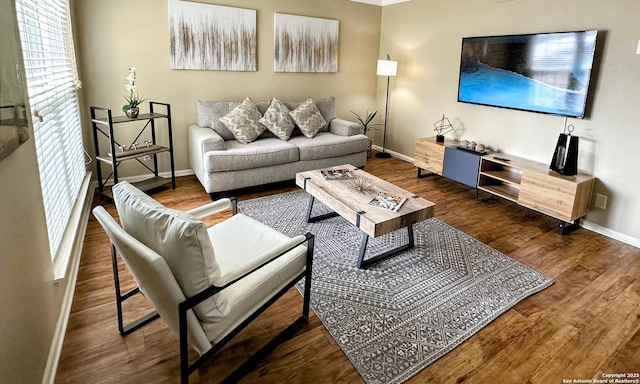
51	76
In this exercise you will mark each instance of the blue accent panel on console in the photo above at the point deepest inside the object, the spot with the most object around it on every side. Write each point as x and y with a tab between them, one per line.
461	166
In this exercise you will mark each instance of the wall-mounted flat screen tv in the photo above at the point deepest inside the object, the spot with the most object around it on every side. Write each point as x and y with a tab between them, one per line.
545	72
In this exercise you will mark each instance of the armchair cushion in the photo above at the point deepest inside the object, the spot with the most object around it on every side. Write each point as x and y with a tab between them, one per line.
239	240
179	237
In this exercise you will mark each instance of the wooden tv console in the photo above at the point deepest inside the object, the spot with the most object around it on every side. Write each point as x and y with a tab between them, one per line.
429	155
534	186
527	183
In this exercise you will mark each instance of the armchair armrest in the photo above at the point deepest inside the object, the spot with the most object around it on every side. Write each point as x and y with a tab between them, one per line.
214	207
342	127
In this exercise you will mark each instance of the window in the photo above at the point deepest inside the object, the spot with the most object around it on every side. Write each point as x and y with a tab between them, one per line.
51	76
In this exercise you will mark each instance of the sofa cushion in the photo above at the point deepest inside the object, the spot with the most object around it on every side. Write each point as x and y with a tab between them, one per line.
308	118
180	238
325	145
243	122
277	120
260	153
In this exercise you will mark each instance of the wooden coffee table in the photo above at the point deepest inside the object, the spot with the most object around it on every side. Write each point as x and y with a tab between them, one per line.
354	206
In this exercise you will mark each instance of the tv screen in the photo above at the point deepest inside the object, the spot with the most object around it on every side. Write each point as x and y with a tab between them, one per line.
546	72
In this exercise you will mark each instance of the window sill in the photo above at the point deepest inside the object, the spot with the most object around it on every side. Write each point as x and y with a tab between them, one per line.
71	246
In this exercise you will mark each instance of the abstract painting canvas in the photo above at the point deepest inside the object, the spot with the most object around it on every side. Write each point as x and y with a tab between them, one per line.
305	44
205	36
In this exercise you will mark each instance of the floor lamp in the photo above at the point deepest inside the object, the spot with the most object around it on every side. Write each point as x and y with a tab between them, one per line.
387	68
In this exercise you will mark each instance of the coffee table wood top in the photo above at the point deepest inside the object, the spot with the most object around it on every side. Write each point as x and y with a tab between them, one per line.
374	221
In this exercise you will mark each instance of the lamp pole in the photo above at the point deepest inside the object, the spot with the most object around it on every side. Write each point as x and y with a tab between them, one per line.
383	154
386	68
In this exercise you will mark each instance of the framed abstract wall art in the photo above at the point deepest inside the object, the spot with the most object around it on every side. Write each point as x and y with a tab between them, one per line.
213	37
305	44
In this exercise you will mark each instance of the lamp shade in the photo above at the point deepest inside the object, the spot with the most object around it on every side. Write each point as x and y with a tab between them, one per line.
387	68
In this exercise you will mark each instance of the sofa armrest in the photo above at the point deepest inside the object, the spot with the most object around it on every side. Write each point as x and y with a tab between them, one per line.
342	127
205	139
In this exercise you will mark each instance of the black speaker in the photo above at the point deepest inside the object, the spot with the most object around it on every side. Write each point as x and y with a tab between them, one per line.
565	157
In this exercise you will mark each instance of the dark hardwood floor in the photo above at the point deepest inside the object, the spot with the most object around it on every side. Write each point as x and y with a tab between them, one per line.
586	324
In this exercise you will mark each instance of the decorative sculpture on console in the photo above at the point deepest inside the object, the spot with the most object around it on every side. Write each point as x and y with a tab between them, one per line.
442	127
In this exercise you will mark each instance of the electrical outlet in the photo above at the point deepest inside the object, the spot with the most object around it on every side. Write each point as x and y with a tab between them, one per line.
601	201
146	157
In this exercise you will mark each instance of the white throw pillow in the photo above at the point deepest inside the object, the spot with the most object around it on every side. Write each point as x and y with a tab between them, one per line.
243	122
277	120
180	238
308	118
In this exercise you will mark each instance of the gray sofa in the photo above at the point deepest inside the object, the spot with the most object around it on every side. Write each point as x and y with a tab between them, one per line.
222	164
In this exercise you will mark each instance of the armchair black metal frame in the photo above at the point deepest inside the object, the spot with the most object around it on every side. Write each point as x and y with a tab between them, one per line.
185	369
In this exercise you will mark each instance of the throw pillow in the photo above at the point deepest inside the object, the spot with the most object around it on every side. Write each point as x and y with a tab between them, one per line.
308	118
208	114
243	122
277	120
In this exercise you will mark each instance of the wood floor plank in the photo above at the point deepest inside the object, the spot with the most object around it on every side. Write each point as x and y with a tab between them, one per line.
586	324
582	356
625	359
471	356
540	342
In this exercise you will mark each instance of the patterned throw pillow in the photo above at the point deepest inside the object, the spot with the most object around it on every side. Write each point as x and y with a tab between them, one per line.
243	122
277	120
308	118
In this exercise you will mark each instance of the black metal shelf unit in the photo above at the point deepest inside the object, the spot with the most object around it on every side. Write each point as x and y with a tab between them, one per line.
103	123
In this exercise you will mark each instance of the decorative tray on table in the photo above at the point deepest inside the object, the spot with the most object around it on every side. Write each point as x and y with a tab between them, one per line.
483	152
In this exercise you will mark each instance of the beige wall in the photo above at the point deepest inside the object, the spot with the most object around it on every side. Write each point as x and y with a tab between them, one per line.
117	34
11	91
29	301
425	37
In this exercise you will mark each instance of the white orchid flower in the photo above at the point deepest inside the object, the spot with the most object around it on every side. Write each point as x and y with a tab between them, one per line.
133	99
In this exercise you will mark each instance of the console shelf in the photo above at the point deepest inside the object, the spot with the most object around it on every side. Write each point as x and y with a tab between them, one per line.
507	176
506	191
534	186
499	178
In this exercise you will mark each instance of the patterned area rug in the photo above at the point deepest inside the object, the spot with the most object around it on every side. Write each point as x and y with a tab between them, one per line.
401	314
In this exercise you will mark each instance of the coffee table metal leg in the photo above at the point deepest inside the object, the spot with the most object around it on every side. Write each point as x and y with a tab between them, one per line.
319	217
361	263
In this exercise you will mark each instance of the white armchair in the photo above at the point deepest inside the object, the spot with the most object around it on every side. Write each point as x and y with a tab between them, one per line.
206	283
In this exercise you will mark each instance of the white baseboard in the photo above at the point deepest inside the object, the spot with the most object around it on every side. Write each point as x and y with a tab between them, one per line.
610	233
394	154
